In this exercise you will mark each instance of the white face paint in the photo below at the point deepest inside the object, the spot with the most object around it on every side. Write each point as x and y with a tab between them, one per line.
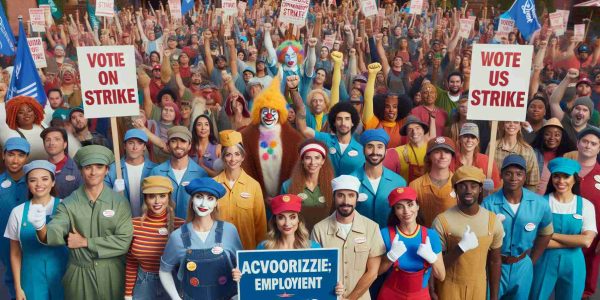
204	204
269	117
291	58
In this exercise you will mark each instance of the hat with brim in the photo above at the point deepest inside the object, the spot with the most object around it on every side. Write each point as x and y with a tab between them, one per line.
440	142
413	120
205	185
156	185
17	143
564	165
39	164
94	155
468	173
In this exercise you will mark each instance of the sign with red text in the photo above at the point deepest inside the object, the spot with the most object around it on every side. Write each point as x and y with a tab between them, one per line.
499	84
556	22
47	13
37	19
108	81
505	26
466	25
416	7
175	8
229	7
37	52
579	32
369	8
105	8
294	11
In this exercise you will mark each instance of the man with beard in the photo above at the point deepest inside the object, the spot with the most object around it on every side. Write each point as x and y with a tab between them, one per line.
261	73
376	180
518	208
573	118
82	132
68	177
448	100
179	168
55	102
357	237
471	239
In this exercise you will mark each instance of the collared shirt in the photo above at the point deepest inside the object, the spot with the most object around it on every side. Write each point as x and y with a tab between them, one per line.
68	179
363	242
111	176
532	219
433	200
244	207
348	161
12	193
398	160
533	171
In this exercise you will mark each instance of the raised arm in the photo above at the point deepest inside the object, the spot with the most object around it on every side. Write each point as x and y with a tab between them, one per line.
337	58
559	92
292	86
268	44
381	52
144	83
374	68
232	57
165	67
311	59
538	65
208	60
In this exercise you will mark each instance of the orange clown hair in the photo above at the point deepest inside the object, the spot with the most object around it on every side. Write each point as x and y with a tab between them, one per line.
12	108
270	97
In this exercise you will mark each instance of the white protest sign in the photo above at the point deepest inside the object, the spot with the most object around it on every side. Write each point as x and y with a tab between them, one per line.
242	6
499	85
505	26
108	81
466	25
579	32
565	14
105	8
37	18
368	7
229	7
556	22
416	7
381	12
294	11
36	47
175	8
47	13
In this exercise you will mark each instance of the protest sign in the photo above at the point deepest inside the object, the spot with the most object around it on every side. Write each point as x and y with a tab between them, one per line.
381	12
37	18
579	32
229	7
175	8
556	22
294	11
505	26
105	8
242	6
368	7
466	25
416	7
565	13
37	52
47	13
301	274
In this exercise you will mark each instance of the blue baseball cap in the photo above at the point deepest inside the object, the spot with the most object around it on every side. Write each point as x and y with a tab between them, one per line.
136	134
514	160
564	165
205	185
39	164
17	143
378	135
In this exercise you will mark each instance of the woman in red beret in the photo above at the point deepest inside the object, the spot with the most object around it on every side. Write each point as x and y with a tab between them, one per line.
419	247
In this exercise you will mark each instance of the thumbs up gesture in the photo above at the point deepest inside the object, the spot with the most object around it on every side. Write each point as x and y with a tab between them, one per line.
398	249
76	240
426	252
469	240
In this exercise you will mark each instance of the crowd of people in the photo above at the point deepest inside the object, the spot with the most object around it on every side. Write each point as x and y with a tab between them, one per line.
257	134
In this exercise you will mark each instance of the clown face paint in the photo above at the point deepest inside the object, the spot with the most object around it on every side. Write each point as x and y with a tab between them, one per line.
204	204
269	117
291	57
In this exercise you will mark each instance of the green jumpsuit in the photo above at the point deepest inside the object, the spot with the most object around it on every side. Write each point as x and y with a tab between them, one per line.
98	271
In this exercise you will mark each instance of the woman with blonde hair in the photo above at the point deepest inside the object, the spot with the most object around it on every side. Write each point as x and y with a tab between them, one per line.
318	106
150	234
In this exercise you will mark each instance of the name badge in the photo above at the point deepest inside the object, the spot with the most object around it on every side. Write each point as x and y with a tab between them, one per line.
529	227
6	184
360	240
332	150
362	197
500	217
109	213
216	250
577	216
245	195
352	153
163	231
322	199
69	178
185	183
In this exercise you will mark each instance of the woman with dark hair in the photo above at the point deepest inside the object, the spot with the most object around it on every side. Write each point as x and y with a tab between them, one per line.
538	112
414	251
309	181
561	269
205	148
236	109
551	142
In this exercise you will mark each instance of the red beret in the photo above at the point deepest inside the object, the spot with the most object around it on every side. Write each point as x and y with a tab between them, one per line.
287	202
401	194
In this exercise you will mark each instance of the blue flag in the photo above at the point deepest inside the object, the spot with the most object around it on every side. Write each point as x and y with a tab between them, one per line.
7	39
186	5
525	17
25	80
94	22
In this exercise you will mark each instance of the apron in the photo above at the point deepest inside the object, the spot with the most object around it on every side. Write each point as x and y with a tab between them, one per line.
414	170
561	270
467	278
403	285
42	267
207	274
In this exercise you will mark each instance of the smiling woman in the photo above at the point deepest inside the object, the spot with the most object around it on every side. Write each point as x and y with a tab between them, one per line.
23	117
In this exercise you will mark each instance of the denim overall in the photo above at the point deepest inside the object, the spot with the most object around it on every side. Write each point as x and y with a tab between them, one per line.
207	272
42	267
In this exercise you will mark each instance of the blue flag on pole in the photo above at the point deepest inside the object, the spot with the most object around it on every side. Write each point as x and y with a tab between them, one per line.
25	80
7	39
94	22
525	17
186	5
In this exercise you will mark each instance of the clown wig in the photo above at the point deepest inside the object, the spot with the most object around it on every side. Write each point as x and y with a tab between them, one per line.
270	97
12	109
295	45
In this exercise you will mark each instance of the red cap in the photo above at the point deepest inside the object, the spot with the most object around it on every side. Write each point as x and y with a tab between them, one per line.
401	194
287	202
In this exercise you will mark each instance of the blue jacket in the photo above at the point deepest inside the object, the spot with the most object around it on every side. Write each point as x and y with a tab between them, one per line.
112	176
179	195
343	163
68	179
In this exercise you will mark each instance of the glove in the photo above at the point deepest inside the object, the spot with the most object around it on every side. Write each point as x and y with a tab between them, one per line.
37	216
398	248
119	185
469	240
426	252
488	185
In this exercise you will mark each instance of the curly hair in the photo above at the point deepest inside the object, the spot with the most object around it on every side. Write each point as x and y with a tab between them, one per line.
343	107
13	106
404	106
295	45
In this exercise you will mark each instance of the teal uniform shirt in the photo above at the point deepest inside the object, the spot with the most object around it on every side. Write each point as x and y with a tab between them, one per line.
344	163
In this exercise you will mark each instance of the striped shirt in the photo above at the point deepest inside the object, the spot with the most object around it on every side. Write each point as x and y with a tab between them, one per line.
149	240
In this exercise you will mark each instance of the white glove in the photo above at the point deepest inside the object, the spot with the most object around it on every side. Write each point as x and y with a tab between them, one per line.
119	185
37	216
426	252
469	240
398	248
488	185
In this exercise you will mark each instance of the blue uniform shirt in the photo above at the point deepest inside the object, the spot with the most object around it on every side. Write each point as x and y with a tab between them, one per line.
343	163
112	176
68	179
519	232
376	206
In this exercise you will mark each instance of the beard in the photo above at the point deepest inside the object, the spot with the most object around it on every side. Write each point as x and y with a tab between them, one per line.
374	159
344	213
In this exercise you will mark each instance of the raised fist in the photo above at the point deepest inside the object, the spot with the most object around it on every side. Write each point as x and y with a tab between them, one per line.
374	68
292	81
337	57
